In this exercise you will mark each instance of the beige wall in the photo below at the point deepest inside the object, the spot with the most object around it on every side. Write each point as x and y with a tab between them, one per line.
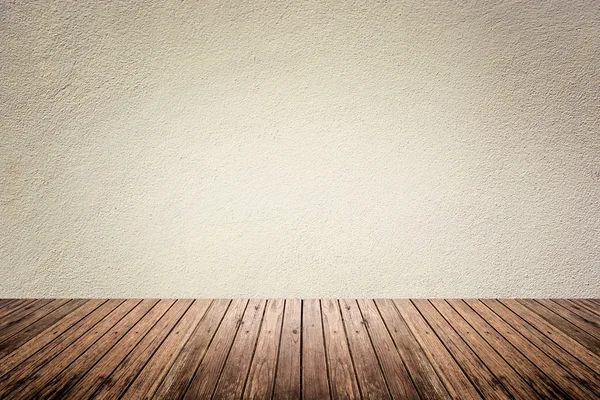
246	148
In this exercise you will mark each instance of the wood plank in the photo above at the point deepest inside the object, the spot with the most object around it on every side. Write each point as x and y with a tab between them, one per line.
14	306
235	371
520	381
29	363
63	379
420	369
93	367
27	306
457	383
4	302
589	305
206	377
179	376
261	378
54	360
396	375
342	375
478	373
315	383
54	331
537	348
368	371
290	349
568	328
555	334
585	311
21	313
26	316
147	382
575	314
287	379
115	384
515	349
29	332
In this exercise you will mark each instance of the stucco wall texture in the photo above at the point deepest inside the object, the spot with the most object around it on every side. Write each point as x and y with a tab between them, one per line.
300	148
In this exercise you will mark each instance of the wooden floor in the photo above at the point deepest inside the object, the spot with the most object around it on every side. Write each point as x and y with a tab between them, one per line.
291	349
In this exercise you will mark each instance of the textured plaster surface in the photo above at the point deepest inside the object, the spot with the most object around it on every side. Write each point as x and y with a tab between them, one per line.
299	148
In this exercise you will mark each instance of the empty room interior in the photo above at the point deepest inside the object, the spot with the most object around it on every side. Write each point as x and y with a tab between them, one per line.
303	199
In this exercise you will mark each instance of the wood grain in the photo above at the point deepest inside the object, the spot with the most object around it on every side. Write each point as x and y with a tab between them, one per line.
20	315
342	375
28	346
13	305
287	379
588	317
208	374
418	365
527	369
129	367
149	379
453	376
478	373
589	304
396	375
556	362
261	378
31	359
567	327
39	377
33	329
315	378
554	333
89	370
23	318
179	376
368	371
235	371
498	355
293	349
